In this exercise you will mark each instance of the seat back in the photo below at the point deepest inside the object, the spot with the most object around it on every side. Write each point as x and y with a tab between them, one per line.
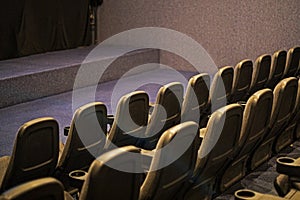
283	105
86	137
195	101
277	68
173	162
261	72
292	62
220	89
105	181
166	112
43	188
130	121
35	152
242	80
256	120
220	142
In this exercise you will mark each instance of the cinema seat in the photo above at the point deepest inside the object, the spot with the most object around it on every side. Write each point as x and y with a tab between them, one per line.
256	119
241	81
292	62
172	164
34	155
130	120
284	98
245	194
220	90
166	113
39	189
219	146
106	181
85	141
277	68
261	72
291	130
195	102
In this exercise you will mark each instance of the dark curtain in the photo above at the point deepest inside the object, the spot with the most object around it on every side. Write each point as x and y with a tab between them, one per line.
35	26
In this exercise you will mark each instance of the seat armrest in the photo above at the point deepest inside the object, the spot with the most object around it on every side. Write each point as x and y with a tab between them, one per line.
66	130
288	166
242	103
151	107
147	158
110	119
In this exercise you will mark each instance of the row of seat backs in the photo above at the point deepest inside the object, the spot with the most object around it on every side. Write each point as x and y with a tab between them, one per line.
103	177
260	119
212	128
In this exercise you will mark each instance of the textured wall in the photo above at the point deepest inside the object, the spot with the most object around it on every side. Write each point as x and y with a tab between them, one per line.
230	30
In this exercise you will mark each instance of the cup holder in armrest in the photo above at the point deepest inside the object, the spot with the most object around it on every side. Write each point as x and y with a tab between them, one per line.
77	178
288	166
244	194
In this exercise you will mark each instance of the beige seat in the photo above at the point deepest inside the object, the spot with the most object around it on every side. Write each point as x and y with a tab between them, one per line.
292	62
130	121
245	194
291	131
43	188
172	164
277	68
85	141
106	181
166	113
219	146
256	119
284	98
241	81
34	155
195	102
220	90
261	72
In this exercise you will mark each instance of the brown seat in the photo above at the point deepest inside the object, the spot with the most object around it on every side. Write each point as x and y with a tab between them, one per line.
292	62
34	155
277	68
173	162
220	90
85	141
43	188
256	119
241	81
112	175
261	72
130	121
218	148
284	98
166	113
291	130
245	194
195	102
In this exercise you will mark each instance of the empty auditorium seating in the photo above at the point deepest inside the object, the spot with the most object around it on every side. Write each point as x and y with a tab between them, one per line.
292	62
220	89
106	181
277	68
242	80
85	141
130	120
219	146
195	102
284	98
43	188
34	155
256	119
166	113
172	164
261	71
